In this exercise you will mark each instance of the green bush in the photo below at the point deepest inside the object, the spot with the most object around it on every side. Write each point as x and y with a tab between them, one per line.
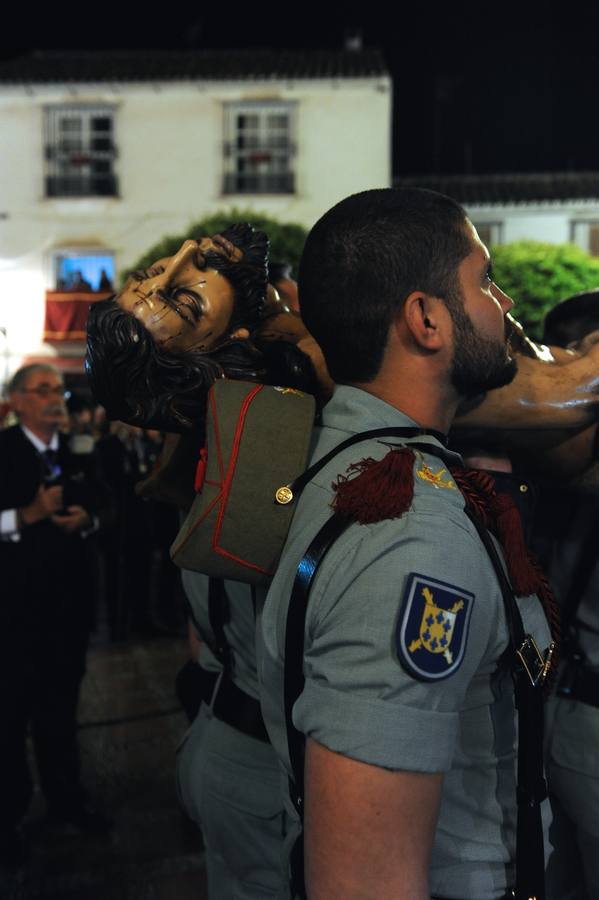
286	239
538	275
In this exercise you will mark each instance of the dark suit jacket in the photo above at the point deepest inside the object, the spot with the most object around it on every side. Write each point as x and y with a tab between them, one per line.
46	574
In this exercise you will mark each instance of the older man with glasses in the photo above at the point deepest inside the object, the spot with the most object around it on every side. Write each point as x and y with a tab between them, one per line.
50	504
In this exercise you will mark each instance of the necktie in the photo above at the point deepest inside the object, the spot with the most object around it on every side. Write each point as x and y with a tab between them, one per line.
52	469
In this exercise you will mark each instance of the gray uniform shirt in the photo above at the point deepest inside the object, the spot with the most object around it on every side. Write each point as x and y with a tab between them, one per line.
363	696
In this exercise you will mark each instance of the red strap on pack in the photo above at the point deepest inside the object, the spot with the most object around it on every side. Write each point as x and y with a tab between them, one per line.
200	471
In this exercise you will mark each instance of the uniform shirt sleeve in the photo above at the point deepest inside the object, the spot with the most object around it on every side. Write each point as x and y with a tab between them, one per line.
360	700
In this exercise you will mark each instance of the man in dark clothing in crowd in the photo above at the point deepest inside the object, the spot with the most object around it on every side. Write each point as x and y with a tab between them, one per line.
142	586
566	540
51	503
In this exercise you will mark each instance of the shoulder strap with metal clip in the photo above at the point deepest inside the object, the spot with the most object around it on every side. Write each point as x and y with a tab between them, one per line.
529	671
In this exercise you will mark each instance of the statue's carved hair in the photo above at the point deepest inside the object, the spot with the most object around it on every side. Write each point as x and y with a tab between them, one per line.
248	277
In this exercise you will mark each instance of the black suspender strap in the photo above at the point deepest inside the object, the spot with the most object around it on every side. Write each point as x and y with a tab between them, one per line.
528	669
230	703
294	646
218	613
294	680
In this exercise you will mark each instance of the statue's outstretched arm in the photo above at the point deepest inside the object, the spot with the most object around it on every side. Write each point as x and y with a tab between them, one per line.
554	389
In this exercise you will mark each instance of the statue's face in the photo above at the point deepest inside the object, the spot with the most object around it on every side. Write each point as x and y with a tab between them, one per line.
182	304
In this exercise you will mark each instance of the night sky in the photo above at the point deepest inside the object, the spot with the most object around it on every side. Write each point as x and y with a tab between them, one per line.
477	88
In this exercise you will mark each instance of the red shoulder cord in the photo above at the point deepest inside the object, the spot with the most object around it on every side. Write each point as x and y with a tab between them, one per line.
374	490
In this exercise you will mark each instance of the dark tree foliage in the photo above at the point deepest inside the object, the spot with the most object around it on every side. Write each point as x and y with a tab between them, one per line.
286	239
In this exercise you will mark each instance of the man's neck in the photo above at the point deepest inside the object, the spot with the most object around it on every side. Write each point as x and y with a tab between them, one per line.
431	409
416	380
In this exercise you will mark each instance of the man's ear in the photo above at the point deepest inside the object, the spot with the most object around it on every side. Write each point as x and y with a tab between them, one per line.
421	317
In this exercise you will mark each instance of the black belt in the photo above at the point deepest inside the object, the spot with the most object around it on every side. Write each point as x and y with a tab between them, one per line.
237	709
581	684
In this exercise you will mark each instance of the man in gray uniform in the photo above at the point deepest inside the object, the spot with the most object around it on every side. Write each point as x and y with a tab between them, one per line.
227	772
566	541
569	533
407	710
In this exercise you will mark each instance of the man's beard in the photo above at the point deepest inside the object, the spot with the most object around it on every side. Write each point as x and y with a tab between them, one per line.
479	363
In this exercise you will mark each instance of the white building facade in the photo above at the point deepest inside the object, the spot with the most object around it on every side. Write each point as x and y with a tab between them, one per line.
554	207
104	154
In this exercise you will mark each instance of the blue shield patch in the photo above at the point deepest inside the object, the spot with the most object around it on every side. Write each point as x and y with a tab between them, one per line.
433	627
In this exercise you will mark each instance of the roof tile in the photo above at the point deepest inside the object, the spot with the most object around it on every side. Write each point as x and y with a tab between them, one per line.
189	65
516	188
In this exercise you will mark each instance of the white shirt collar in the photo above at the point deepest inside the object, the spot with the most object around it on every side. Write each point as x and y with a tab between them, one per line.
38	444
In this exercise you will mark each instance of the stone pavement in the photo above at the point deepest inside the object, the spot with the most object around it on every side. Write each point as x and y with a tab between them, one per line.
130	725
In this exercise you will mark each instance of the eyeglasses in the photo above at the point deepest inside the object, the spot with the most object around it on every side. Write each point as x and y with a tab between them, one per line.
44	390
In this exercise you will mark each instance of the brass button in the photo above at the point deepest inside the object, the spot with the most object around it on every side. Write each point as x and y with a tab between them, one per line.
523	488
284	495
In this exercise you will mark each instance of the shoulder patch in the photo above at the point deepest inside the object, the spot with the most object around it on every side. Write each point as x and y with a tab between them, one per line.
432	628
439	479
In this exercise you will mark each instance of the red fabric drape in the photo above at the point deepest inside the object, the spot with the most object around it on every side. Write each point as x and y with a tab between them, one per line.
66	314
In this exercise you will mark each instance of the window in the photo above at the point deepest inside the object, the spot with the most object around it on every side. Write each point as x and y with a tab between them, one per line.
75	275
585	233
83	270
259	148
489	232
80	151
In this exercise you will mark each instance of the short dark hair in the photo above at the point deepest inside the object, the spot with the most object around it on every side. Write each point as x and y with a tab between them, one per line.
572	319
21	376
363	258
